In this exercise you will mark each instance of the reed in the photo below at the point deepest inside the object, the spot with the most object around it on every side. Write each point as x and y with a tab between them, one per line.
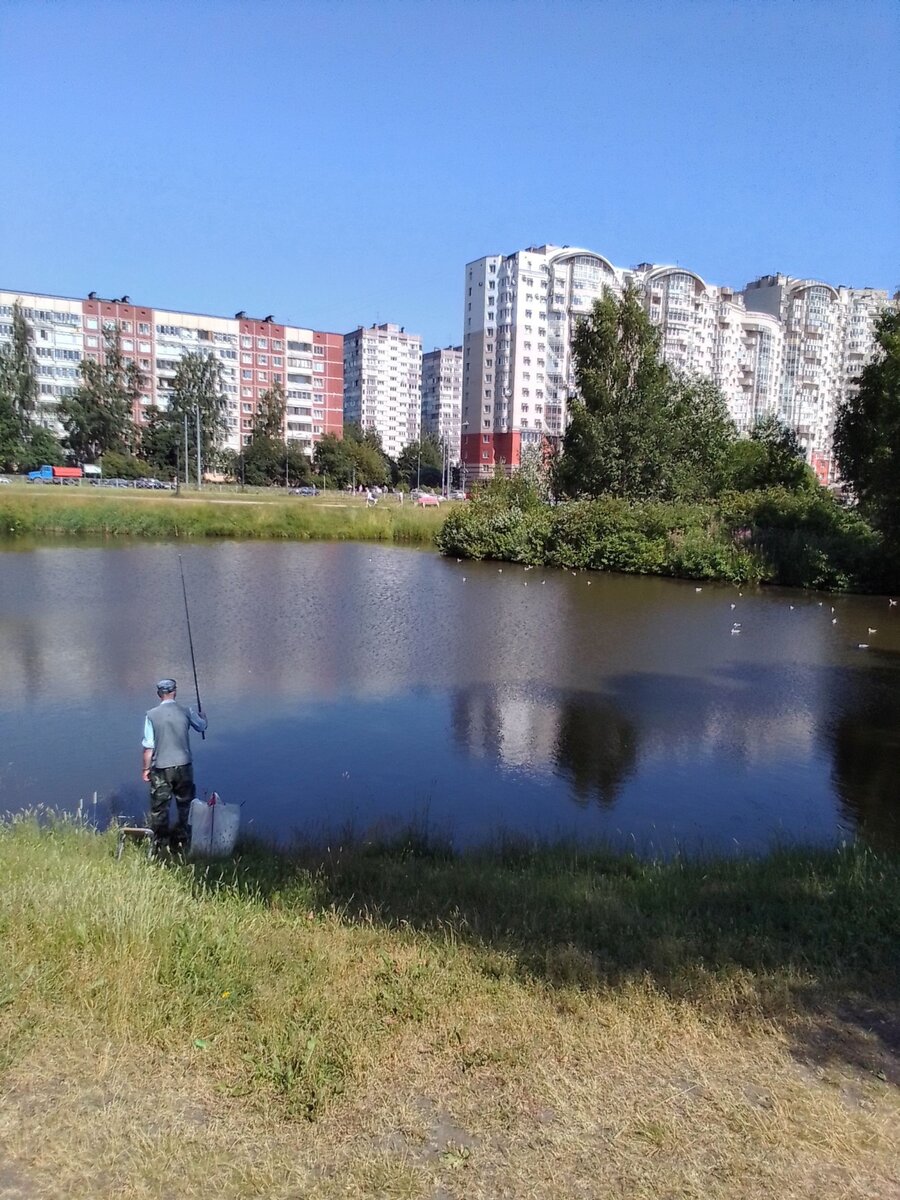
394	1020
71	514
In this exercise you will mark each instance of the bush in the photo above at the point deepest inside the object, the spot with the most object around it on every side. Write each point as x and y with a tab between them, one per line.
799	539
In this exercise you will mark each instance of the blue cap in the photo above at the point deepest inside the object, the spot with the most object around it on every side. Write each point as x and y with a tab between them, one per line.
166	685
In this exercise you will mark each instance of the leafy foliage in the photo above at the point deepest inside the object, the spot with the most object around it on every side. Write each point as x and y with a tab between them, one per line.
357	457
197	387
636	430
420	463
771	457
867	433
800	539
18	392
99	417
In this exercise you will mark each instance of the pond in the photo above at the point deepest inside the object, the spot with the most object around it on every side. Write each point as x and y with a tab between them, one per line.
366	688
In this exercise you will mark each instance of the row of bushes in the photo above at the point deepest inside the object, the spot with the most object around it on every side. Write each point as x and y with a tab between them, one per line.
774	536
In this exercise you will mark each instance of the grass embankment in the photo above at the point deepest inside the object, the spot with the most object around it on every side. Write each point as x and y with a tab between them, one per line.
397	1022
64	512
801	539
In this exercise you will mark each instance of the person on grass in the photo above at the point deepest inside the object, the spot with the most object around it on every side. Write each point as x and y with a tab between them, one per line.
168	765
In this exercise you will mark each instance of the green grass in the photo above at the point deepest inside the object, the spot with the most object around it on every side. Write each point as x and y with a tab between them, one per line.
409	1020
98	513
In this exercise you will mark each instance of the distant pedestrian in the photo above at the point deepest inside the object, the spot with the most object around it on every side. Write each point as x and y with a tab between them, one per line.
371	499
168	765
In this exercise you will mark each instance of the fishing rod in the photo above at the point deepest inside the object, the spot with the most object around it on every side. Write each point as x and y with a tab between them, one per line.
190	640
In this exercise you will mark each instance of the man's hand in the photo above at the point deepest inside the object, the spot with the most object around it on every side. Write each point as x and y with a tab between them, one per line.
145	775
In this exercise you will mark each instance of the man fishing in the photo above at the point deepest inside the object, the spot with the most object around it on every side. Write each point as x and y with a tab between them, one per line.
167	764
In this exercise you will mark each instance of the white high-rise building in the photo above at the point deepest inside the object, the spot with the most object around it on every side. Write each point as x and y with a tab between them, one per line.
442	398
383	382
828	338
790	347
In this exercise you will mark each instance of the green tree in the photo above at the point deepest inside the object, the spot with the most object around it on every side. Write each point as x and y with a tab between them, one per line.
702	435
99	416
268	420
867	432
18	392
334	461
369	464
771	457
618	434
636	430
40	447
197	388
420	461
162	442
269	458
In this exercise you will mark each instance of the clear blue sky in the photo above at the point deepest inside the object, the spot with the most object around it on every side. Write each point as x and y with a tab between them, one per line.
339	163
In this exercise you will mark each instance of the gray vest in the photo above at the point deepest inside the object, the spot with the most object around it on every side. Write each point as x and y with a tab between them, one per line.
171	732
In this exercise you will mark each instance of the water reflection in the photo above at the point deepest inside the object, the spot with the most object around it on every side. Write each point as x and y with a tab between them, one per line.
368	683
596	749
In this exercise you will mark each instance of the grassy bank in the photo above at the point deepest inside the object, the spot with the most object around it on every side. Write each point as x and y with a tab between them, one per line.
396	1022
65	512
795	539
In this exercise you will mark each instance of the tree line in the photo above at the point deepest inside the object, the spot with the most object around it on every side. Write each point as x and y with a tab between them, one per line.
98	425
657	480
642	432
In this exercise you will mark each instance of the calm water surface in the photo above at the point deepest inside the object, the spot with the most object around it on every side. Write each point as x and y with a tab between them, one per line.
369	687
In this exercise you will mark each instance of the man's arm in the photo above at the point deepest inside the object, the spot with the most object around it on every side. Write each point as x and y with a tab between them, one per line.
149	743
198	721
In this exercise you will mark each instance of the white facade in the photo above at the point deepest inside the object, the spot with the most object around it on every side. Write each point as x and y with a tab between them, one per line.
828	338
383	382
442	398
791	347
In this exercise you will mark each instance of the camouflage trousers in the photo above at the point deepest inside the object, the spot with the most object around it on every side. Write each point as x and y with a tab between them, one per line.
167	784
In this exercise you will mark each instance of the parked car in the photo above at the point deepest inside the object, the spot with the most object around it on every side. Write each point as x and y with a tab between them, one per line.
458	496
427	501
304	491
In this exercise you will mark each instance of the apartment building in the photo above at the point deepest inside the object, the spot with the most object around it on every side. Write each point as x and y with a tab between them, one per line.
828	335
383	383
442	398
520	311
255	353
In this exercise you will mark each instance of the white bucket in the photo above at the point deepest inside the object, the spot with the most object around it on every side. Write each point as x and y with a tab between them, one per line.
214	828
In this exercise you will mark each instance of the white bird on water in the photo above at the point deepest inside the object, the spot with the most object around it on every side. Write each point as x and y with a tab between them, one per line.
891	603
698	589
872	630
833	619
862	646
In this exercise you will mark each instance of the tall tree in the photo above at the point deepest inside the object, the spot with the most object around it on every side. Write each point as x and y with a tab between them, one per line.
421	461
270	457
18	391
197	388
618	434
268	420
637	430
867	432
162	441
334	460
99	416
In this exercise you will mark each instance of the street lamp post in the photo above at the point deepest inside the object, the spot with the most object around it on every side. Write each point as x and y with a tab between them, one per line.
199	464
